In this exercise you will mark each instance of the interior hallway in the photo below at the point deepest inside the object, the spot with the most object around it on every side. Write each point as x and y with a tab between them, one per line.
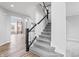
16	48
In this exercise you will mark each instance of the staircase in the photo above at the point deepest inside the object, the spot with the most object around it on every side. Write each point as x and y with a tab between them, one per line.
41	46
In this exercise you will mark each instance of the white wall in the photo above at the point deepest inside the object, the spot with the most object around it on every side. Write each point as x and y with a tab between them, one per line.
5	24
4	27
73	27
72	8
58	17
73	35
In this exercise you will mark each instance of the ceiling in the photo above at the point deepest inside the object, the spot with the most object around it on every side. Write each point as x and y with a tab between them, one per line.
72	8
24	8
27	8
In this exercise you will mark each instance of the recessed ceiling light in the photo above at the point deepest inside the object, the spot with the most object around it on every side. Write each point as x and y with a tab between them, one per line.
11	5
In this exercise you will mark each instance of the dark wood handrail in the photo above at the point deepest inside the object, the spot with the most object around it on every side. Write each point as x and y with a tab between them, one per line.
42	19
33	27
38	23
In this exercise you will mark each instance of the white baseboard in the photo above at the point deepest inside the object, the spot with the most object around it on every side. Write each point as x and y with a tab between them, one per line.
3	43
61	51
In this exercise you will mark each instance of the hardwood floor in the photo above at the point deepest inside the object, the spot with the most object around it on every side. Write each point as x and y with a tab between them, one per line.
16	48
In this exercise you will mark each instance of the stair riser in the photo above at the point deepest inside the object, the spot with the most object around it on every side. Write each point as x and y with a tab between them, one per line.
48	27
45	37
41	47
38	53
43	41
49	24
47	30
46	33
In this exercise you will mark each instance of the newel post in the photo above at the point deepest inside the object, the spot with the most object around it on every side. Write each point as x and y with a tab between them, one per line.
27	39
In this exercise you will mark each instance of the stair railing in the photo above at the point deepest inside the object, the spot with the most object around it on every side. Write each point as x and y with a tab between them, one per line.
46	9
29	30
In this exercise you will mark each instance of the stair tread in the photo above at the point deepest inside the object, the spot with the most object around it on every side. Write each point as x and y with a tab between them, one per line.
42	44
46	47
48	24
47	33
47	29
42	47
37	50
44	40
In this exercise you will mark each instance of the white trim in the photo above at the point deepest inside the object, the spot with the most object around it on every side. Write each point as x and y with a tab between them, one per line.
3	43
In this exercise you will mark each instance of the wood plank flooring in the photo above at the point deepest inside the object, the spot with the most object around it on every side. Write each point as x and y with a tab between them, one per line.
16	48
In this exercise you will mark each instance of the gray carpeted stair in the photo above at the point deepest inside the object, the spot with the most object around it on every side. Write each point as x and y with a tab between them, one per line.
42	45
